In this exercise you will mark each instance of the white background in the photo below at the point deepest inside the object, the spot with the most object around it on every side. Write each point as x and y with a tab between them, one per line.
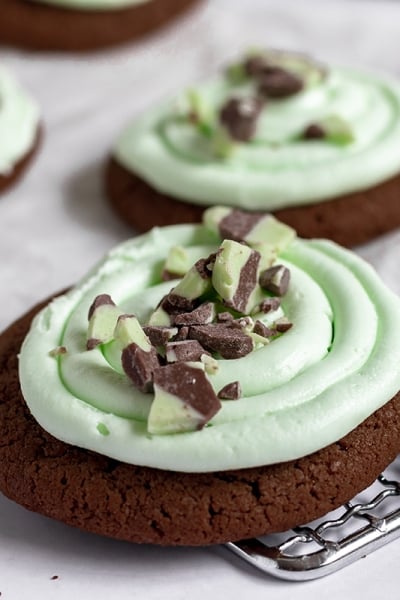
56	223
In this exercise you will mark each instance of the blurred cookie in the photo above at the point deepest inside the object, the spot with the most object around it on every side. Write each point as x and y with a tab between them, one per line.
20	129
276	132
81	25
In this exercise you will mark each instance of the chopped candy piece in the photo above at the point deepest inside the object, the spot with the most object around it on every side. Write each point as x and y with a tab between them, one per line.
255	64
184	399
186	350
278	83
203	314
270	305
337	130
140	365
128	330
231	391
275	280
314	131
239	116
195	283
158	335
103	315
182	334
211	365
159	318
213	216
283	324
261	329
245	323
176	264
227	341
235	275
224	317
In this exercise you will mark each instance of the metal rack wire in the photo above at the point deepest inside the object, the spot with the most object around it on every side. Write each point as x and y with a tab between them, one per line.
359	527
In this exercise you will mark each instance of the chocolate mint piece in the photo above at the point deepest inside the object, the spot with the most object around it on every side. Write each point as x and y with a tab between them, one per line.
211	365
270	305
140	365
230	391
229	342
224	317
176	264
185	295
100	300
159	336
275	279
186	350
242	323
279	83
160	317
235	275
182	334
283	324
237	224
314	132
239	116
184	399
128	330
103	315
261	329
201	315
255	65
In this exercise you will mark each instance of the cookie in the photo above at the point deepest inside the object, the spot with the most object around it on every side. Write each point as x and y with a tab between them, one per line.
21	130
193	390
317	155
82	25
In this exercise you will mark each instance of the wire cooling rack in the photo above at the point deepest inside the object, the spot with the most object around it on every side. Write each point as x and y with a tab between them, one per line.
359	527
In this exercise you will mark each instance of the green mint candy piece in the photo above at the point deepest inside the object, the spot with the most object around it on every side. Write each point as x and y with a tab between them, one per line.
128	330
337	130
103	316
272	232
193	285
160	318
213	216
177	262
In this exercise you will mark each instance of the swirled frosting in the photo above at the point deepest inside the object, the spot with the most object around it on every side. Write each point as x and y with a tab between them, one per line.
276	168
335	366
19	120
92	4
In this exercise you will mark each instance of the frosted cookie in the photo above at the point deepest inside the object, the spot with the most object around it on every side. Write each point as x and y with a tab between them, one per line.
277	132
80	25
19	129
203	383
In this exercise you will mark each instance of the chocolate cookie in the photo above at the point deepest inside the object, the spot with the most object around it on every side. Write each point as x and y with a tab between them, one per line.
8	180
138	504
274	132
40	26
349	220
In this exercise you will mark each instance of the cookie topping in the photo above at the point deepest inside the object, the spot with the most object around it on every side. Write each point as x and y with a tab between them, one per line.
239	116
103	315
226	341
203	314
230	391
140	365
186	350
184	399
275	279
314	131
279	83
261	329
269	305
159	336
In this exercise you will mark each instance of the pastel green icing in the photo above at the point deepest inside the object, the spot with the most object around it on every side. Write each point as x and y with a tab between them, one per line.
92	4
276	168
19	119
335	366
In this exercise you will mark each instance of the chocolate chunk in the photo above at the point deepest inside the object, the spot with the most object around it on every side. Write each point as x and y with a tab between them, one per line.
314	132
201	315
239	116
204	266
158	335
270	305
187	393
275	279
279	83
169	275
182	334
261	329
229	342
247	283
100	300
174	303
283	324
255	65
242	323
224	317
186	350
238	223
140	366
231	391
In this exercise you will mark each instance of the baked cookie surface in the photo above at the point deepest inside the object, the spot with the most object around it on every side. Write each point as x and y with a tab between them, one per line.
80	26
276	132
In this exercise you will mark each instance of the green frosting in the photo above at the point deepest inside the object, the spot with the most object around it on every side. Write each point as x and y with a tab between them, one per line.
19	120
335	366
277	168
